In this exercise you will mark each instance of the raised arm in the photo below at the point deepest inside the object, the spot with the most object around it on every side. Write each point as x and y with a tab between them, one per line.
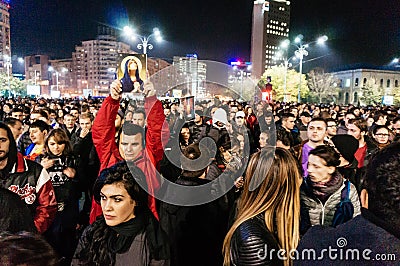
103	130
157	134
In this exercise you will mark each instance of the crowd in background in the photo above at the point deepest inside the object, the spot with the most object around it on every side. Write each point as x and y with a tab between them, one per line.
303	161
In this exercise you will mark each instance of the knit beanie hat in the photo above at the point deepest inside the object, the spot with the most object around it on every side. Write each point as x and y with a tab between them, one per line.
346	145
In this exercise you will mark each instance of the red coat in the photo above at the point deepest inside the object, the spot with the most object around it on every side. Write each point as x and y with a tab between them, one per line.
103	134
251	121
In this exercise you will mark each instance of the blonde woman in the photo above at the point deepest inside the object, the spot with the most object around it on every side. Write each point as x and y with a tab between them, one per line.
268	213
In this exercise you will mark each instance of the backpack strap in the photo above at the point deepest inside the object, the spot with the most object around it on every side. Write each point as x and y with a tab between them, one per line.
344	209
345	195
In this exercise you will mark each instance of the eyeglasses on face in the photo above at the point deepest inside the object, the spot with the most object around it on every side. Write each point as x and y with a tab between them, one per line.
382	135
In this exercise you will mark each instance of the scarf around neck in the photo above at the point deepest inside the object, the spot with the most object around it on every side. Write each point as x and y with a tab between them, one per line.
124	234
323	190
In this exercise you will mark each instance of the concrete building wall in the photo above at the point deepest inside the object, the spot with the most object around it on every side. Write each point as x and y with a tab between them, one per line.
352	81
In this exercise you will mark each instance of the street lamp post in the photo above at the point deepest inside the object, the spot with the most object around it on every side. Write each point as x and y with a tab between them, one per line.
145	43
243	73
241	82
287	65
57	80
8	76
285	45
301	52
144	39
285	80
283	55
51	69
57	73
7	63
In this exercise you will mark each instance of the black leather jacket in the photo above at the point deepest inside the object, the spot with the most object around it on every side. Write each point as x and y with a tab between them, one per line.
252	244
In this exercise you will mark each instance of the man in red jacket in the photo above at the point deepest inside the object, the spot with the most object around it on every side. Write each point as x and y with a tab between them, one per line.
131	147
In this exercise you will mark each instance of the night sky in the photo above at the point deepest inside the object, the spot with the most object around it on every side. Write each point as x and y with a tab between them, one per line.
359	31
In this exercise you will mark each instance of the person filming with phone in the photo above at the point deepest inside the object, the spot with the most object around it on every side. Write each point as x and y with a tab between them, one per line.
60	164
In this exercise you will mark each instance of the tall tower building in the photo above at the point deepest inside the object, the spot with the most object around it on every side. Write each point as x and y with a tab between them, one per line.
270	27
191	72
5	44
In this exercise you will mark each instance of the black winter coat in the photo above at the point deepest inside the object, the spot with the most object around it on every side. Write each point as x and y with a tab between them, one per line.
195	233
252	244
365	234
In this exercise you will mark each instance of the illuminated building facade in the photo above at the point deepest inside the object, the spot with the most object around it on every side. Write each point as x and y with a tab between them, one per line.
94	61
192	73
353	81
5	44
270	27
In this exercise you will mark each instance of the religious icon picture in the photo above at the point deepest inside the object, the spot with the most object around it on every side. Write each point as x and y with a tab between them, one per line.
131	71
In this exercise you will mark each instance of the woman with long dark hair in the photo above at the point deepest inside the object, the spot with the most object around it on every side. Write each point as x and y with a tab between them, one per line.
251	119
127	233
60	164
268	211
185	138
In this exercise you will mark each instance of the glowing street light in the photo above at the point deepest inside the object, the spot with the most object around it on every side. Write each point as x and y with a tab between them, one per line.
128	31
322	39
301	52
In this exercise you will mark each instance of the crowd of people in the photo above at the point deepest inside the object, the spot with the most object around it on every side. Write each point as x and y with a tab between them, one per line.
92	180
